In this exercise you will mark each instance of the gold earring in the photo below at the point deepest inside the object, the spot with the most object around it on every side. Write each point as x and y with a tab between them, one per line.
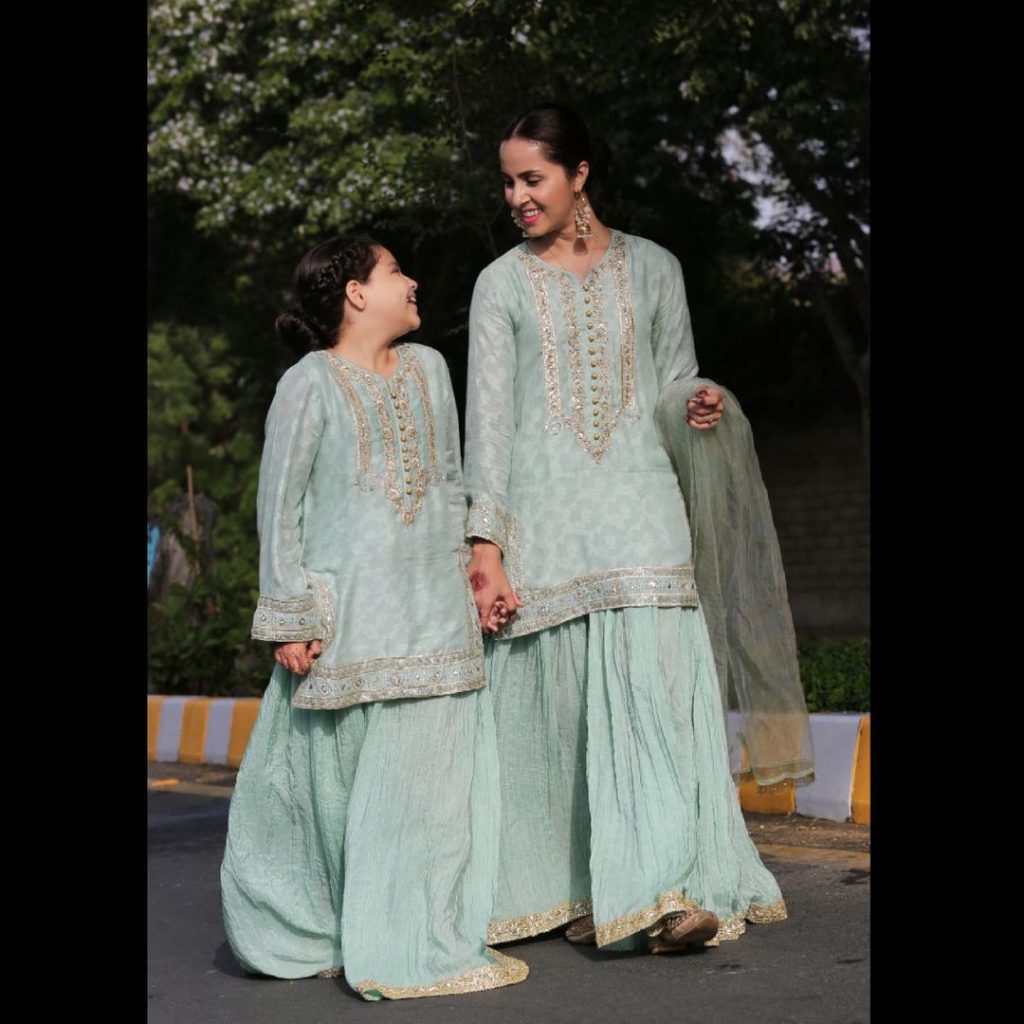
582	213
519	224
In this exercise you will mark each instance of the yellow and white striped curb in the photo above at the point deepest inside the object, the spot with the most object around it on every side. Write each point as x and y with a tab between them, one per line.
215	730
842	771
200	730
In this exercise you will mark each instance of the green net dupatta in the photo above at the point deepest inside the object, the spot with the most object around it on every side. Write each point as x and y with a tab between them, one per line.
742	588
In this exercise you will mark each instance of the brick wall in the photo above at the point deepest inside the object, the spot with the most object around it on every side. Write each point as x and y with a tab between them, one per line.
819	492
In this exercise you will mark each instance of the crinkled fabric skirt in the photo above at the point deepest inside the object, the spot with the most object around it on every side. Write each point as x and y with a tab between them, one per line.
367	838
616	794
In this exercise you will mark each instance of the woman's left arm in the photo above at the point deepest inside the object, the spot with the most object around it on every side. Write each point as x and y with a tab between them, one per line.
675	358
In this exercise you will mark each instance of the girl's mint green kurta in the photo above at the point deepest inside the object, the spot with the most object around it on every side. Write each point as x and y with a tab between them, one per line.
363	829
360	513
564	467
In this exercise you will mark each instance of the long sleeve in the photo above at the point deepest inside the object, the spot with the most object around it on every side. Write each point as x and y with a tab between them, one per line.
287	609
671	331
490	411
452	453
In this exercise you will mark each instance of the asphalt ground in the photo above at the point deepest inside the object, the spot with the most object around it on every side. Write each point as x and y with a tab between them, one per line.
811	968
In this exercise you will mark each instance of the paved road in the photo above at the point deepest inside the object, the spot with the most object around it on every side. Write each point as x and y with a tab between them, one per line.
811	969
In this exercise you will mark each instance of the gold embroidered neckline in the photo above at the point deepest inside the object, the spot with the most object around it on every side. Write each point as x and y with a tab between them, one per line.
371	374
563	272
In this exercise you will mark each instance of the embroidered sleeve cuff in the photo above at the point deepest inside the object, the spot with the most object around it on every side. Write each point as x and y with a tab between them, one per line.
288	621
488	521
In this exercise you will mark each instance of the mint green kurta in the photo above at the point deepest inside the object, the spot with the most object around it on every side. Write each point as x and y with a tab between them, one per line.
616	795
363	828
359	514
564	467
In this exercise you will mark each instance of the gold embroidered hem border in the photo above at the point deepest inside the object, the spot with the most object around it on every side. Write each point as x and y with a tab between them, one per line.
505	970
640	586
329	687
511	928
757	913
629	924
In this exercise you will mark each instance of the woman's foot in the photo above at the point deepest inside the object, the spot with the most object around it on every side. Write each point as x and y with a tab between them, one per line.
693	927
582	930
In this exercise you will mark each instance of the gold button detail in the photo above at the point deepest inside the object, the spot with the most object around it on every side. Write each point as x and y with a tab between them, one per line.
586	287
587	300
590	312
593	362
597	437
408	490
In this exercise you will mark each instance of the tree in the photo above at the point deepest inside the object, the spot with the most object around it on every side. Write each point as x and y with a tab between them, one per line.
284	120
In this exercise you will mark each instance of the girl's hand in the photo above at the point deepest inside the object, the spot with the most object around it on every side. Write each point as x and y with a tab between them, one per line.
490	584
298	657
705	409
498	617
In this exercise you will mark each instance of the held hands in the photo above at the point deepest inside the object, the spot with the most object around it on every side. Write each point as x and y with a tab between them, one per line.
496	601
705	409
298	658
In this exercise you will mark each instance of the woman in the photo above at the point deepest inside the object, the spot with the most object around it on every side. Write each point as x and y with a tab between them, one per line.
618	807
361	830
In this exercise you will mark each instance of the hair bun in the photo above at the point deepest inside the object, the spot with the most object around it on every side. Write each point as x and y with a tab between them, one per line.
299	331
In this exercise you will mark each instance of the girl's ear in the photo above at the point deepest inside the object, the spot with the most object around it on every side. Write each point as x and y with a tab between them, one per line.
354	293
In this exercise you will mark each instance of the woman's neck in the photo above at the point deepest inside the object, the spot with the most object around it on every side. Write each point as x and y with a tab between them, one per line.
564	245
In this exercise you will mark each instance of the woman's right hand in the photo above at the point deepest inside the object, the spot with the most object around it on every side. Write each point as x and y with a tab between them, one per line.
490	584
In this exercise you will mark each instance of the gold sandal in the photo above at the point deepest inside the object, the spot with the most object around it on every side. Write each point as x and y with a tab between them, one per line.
582	931
690	928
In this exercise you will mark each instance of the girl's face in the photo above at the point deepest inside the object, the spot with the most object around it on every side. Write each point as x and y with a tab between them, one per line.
391	296
540	192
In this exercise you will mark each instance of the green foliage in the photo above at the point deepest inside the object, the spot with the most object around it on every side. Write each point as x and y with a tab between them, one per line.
200	416
836	674
277	122
199	641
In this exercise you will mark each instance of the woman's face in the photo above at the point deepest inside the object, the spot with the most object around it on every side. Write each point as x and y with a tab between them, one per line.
391	296
540	192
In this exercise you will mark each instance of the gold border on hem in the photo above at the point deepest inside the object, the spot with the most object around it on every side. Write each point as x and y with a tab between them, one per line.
629	924
511	928
505	970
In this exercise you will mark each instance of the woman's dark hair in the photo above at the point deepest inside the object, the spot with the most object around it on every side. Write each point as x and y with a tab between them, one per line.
565	138
318	291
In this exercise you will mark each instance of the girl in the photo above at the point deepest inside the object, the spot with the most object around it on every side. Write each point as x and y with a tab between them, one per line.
362	830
